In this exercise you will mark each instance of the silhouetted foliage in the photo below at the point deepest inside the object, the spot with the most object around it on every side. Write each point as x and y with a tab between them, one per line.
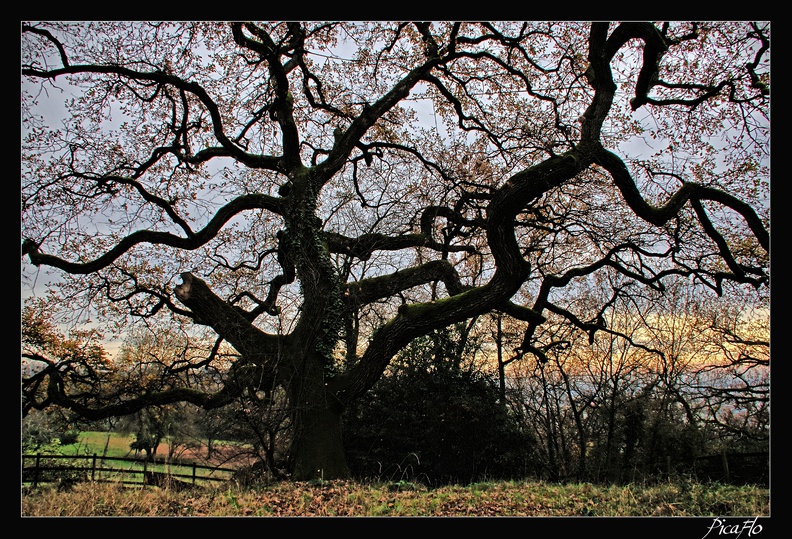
435	421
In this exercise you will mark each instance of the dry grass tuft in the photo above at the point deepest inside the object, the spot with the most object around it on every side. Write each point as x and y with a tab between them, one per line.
355	499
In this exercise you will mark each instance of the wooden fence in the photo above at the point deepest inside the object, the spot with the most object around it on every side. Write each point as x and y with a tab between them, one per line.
733	468
737	468
60	469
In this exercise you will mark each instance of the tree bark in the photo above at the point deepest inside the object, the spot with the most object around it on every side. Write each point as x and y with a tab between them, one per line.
317	451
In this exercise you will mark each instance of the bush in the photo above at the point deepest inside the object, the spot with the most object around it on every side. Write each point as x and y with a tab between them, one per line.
437	426
70	436
36	432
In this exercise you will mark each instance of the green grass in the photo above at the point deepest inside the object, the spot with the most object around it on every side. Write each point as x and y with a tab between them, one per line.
109	444
90	443
332	498
114	445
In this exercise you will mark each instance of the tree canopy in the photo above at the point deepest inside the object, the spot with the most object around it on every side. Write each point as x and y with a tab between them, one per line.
304	199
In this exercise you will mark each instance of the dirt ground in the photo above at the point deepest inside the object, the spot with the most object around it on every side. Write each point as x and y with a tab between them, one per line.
226	456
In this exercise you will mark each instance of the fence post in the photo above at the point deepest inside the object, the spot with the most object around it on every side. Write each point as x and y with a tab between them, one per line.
36	470
93	467
193	474
725	461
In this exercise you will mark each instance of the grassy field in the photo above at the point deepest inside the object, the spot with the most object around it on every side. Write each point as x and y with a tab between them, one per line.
526	498
103	443
112	444
397	499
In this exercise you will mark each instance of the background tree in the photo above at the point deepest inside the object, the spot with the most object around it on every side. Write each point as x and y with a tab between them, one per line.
329	192
52	358
733	383
149	427
641	407
42	430
155	359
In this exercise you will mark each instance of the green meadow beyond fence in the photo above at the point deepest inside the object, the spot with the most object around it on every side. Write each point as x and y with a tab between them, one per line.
60	469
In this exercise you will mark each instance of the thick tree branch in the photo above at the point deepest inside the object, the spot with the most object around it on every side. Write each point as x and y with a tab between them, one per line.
232	325
364	246
193	241
348	139
228	147
369	290
282	108
659	215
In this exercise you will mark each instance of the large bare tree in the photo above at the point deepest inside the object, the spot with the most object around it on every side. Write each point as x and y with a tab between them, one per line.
320	194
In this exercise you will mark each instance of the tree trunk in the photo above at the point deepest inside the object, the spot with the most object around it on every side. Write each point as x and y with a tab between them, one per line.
317	451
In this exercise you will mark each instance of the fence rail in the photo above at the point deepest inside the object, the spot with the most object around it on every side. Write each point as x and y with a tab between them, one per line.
735	468
61	469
